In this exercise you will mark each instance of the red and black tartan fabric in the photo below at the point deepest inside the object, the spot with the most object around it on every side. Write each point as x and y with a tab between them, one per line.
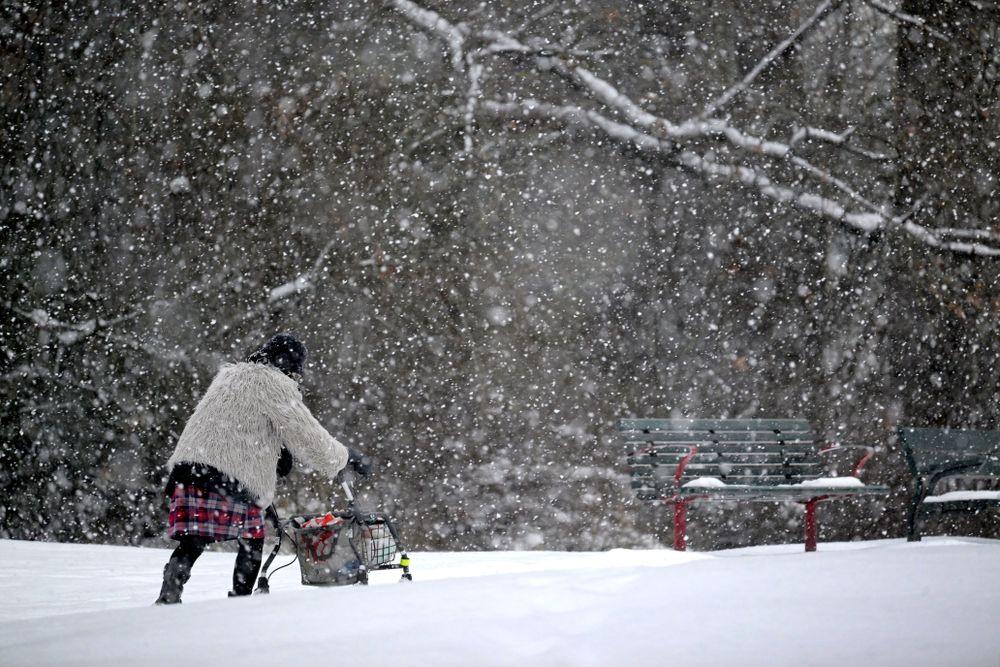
195	511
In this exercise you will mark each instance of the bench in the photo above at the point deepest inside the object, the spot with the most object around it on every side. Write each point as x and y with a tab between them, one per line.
682	461
934	455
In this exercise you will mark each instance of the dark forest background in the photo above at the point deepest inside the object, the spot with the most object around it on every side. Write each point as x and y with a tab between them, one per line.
486	271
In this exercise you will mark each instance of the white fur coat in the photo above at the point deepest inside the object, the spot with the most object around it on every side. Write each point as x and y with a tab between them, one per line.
247	414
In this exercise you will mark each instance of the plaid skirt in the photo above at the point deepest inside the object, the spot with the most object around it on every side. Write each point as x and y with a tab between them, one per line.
196	511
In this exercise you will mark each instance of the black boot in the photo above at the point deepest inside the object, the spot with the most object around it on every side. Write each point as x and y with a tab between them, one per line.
175	575
178	568
247	566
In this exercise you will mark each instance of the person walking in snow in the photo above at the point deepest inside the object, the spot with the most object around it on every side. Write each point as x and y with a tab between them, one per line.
244	432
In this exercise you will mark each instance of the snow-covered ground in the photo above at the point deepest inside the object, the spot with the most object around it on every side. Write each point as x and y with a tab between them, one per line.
865	603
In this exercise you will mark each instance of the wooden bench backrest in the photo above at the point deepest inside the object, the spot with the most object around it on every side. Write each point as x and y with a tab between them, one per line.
736	451
933	450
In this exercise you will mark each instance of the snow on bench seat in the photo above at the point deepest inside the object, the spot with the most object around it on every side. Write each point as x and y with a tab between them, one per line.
963	496
833	482
821	482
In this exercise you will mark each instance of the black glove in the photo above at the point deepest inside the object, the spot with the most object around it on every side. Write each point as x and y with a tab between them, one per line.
360	463
284	463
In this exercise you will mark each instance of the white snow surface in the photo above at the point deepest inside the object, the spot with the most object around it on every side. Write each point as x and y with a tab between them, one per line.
963	495
824	482
704	483
832	482
887	602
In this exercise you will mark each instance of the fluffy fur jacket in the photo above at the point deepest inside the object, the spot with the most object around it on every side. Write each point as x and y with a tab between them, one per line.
250	411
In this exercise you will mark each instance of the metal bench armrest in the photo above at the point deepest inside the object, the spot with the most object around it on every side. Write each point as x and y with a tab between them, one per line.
679	472
952	469
860	463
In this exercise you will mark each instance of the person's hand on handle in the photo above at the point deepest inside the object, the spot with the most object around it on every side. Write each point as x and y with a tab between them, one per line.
360	463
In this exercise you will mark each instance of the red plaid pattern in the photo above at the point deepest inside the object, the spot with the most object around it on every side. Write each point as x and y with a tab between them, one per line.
195	511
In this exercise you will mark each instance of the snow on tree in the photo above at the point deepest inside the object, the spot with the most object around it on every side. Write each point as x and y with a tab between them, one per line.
498	227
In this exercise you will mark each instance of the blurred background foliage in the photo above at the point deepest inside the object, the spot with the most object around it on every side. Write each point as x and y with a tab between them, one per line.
178	181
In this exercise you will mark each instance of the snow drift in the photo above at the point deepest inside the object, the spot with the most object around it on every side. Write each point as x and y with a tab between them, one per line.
872	603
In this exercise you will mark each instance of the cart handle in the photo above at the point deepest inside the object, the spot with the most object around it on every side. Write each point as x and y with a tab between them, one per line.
346	478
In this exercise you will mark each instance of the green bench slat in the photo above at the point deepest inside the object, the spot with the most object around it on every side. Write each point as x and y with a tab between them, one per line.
763	493
689	437
960	505
672	462
986	466
665	456
724	448
929	461
713	424
701	464
926	462
931	449
750	453
991	468
665	483
749	480
784	492
983	442
981	467
777	475
711	470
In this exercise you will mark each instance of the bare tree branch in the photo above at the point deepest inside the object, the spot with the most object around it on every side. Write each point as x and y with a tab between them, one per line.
772	56
430	136
910	19
537	16
471	99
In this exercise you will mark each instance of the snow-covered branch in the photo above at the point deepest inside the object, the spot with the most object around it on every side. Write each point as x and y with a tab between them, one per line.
863	221
70	332
303	281
471	99
837	139
826	177
979	234
661	127
650	131
430	20
823	206
294	286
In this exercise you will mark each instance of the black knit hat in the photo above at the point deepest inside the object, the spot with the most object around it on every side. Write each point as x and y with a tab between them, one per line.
284	352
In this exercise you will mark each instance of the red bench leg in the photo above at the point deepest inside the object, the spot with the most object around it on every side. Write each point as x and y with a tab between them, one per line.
811	524
680	525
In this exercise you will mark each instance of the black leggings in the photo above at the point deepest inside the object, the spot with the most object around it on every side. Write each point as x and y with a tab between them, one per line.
248	559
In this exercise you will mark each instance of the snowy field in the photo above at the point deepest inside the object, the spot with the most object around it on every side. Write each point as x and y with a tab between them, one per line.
866	603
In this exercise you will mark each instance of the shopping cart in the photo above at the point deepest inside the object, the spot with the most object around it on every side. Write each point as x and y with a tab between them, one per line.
340	547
